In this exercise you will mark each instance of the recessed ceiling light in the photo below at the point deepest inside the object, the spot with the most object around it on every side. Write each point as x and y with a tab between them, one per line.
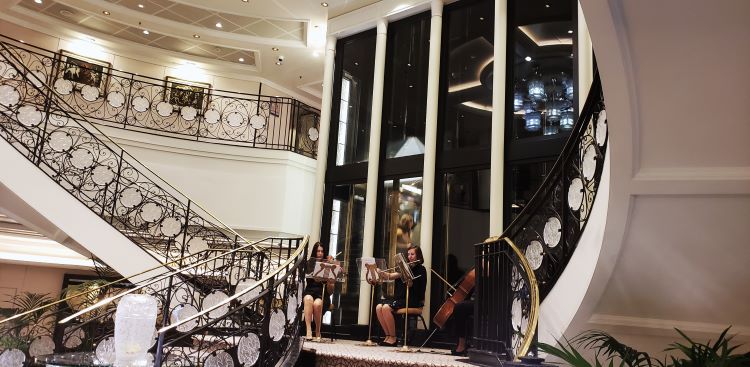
196	36
278	62
527	58
218	25
546	5
244	1
140	6
481	18
356	63
325	5
570	31
106	12
411	86
38	1
22	41
241	59
145	31
275	48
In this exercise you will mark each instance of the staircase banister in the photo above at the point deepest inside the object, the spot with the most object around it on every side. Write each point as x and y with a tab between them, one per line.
112	145
159	278
260	282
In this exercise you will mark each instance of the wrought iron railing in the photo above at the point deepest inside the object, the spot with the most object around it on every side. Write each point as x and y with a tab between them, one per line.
251	313
547	230
45	129
171	107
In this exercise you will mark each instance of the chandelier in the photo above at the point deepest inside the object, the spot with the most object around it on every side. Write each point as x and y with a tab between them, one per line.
546	102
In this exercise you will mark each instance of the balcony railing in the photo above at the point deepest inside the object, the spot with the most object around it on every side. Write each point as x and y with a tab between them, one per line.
171	107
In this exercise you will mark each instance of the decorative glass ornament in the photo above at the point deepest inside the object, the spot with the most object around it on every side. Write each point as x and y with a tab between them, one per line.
135	320
567	120
536	90
533	121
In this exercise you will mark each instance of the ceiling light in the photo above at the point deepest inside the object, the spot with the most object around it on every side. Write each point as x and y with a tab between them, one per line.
546	5
278	62
106	12
275	48
570	31
356	63
145	31
527	58
140	6
218	25
244	1
481	18
241	59
325	5
38	1
22	41
196	36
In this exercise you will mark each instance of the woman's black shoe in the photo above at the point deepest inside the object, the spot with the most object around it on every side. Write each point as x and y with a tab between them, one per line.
382	343
457	353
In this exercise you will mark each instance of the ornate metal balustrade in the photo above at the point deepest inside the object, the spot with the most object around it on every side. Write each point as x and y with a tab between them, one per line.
546	231
245	313
174	108
61	142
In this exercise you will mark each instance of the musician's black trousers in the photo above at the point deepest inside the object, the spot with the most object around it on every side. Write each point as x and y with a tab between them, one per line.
462	322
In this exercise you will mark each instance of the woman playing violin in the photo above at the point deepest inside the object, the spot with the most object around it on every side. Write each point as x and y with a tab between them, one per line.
385	310
314	304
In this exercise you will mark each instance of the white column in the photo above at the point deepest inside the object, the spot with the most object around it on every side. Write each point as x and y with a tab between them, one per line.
585	59
371	200
497	160
325	128
430	145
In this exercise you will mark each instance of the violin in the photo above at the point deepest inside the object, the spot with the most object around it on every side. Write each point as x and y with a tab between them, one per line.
462	291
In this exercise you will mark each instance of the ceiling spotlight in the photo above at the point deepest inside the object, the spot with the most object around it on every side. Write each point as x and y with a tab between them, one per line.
244	1
196	36
106	12
546	5
275	48
325	5
570	31
22	41
218	25
38	1
140	6
278	62
241	59
527	58
481	18
145	31
356	63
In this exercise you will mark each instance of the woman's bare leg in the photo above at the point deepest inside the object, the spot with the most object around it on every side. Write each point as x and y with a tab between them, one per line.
318	314
308	312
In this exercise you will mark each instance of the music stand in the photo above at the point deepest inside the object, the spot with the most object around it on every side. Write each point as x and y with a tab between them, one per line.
369	271
408	277
324	271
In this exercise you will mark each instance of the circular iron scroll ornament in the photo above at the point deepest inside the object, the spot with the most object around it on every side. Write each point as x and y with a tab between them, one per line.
102	175
212	116
171	226
140	104
29	116
9	96
73	337
60	141
131	197
257	122
63	86
291	307
552	232
90	93
247	283
37	78
188	113
42	345
219	359
12	358
151	212
313	134
575	193
164	109
116	99
213	299
183	312
81	158
249	350
535	254
276	325
601	128
234	119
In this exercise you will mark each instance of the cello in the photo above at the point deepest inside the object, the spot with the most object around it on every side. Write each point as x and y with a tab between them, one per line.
463	289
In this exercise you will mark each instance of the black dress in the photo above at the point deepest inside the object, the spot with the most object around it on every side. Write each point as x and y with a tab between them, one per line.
416	293
314	288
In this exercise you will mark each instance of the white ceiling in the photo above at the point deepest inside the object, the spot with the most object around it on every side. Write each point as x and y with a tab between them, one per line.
250	30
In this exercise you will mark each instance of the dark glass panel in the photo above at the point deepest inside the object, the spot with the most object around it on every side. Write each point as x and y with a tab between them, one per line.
525	179
351	122
467	86
405	88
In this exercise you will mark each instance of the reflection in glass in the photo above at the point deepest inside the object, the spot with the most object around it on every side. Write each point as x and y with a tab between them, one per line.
542	46
357	56
347	229
525	179
406	86
468	56
402	215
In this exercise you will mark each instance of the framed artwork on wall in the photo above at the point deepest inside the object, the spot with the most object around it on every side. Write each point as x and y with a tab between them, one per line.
179	92
274	106
84	71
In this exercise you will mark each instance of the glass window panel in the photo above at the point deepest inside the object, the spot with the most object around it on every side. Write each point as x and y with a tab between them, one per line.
401	221
467	110
357	57
347	229
525	179
544	100
406	86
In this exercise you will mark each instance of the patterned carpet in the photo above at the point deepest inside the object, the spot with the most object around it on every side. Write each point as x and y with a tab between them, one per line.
346	353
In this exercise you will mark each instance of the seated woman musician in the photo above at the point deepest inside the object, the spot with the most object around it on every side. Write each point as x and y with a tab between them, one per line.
314	304
385	310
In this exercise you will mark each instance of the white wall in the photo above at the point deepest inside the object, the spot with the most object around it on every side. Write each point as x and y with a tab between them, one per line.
246	188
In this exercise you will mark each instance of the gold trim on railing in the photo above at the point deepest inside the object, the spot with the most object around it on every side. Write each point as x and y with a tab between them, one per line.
260	282
528	337
160	278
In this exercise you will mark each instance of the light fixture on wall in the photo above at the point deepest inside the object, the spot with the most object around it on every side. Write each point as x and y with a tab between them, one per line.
536	90
533	121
